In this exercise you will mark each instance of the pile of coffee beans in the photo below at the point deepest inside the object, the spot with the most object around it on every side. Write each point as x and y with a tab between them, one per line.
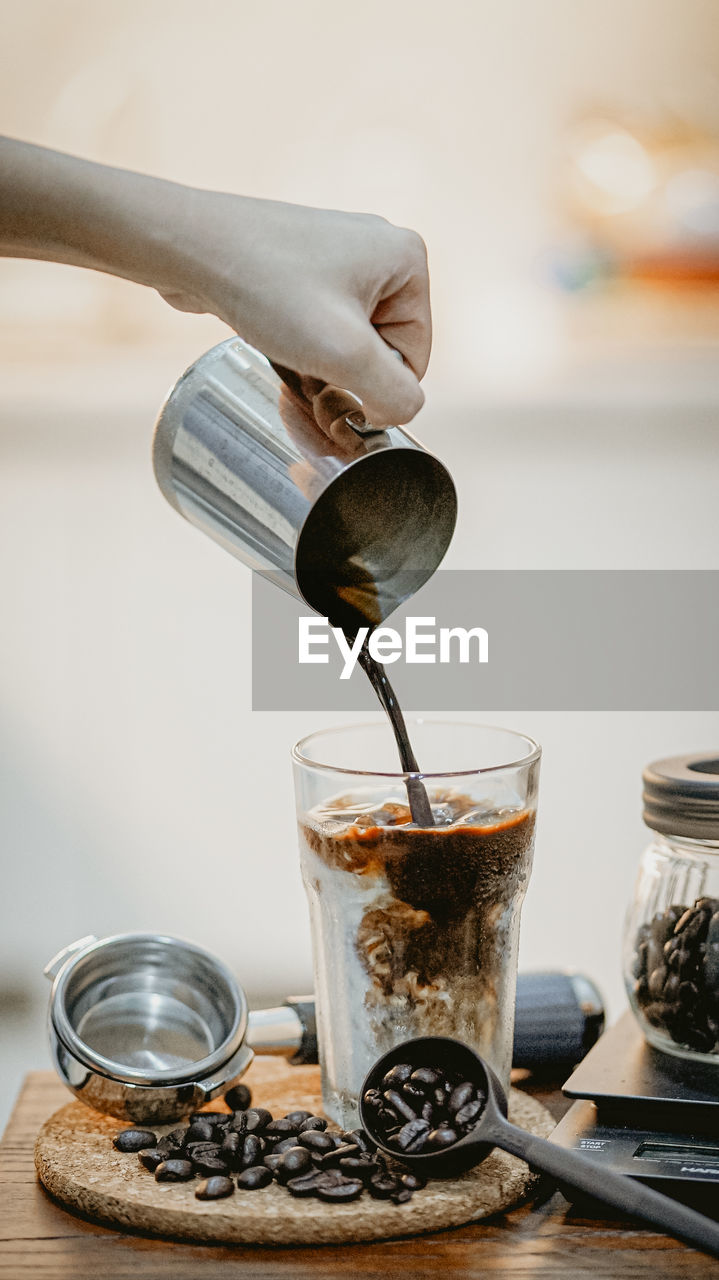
248	1148
423	1109
676	968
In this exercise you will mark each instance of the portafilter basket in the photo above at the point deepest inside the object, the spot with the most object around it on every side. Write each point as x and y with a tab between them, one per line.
145	1027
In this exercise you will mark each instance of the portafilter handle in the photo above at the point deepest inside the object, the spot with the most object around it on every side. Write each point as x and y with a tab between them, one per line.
289	1030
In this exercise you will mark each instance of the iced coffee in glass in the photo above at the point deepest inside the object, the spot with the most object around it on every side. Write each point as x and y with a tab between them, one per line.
415	930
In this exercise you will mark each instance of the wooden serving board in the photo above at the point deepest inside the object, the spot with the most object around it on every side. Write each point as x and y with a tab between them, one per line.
78	1165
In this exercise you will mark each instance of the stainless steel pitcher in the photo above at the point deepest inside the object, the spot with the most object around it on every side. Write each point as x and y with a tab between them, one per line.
288	475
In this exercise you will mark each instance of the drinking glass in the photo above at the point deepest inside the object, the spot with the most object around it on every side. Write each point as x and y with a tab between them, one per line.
415	930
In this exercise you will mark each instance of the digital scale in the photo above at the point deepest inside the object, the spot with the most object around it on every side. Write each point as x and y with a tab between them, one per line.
646	1114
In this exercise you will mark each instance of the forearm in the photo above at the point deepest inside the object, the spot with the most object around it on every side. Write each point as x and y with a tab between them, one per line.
64	209
324	292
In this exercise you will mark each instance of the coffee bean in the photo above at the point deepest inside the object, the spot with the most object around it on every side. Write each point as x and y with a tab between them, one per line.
684	920
219	1118
414	1181
656	982
425	1078
238	1098
271	1162
285	1145
399	1105
711	968
355	1167
315	1123
383	1186
134	1140
281	1129
685	962
415	1096
200	1131
299	1117
253	1151
427	1112
688	994
231	1149
671	988
315	1140
341	1192
398	1075
151	1158
373	1100
256	1119
305	1186
197	1150
294	1163
402	1197
252	1179
215	1188
210	1166
440	1138
360	1139
468	1115
641	991
343	1150
460	1095
639	965
412	1137
174	1171
654	1014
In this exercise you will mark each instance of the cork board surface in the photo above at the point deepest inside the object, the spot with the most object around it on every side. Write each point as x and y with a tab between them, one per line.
77	1164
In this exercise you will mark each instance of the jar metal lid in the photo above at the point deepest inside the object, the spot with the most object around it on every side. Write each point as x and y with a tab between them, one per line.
681	795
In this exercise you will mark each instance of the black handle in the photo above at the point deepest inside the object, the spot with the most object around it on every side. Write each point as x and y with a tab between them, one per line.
558	1017
304	1007
619	1191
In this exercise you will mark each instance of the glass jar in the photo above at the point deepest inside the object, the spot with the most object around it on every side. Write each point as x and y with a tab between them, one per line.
671	935
415	930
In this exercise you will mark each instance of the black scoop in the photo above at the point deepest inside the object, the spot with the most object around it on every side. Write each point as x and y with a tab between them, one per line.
493	1129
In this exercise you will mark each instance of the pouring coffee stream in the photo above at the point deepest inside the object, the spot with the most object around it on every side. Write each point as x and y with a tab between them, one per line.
419	804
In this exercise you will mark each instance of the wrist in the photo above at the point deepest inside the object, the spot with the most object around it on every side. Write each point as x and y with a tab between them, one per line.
65	209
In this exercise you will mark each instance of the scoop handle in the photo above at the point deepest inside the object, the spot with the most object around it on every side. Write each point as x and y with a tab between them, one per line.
618	1190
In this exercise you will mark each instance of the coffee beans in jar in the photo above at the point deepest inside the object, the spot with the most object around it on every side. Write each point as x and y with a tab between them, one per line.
676	974
671	935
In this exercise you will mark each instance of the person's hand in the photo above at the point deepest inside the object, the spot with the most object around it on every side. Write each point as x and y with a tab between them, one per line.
325	293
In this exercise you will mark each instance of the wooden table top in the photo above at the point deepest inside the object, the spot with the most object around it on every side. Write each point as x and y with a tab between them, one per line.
39	1240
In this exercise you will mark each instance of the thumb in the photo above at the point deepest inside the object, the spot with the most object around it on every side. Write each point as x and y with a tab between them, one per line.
375	373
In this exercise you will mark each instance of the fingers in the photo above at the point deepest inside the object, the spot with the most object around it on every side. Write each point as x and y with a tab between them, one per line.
403	315
365	365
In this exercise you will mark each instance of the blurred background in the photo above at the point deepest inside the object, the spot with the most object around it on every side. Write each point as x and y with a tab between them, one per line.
562	162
